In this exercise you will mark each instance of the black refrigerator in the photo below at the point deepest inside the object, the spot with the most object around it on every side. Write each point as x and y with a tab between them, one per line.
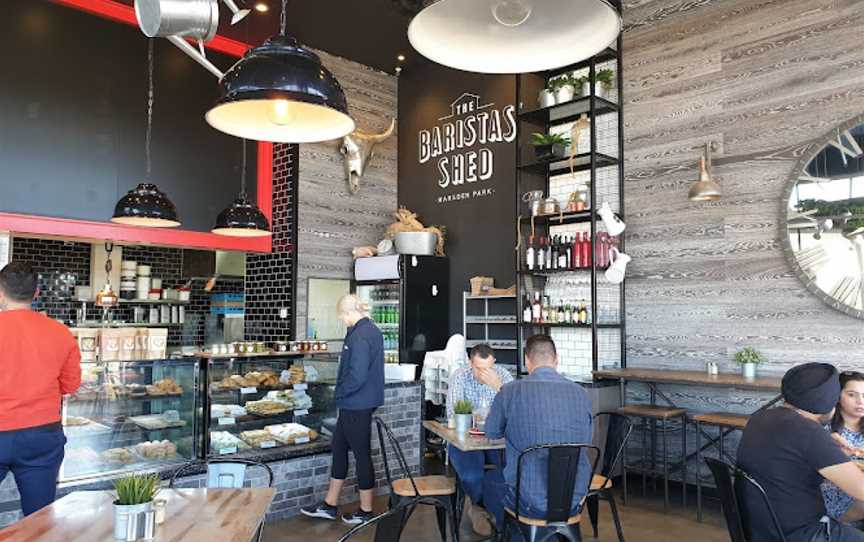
409	301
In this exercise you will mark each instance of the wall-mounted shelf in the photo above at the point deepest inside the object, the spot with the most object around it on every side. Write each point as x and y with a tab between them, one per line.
568	111
496	326
581	162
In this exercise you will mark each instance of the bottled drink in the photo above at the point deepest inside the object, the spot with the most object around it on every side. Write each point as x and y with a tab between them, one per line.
568	314
576	257
586	250
544	310
560	313
555	252
553	314
540	254
530	254
526	310
536	309
568	253
549	255
563	260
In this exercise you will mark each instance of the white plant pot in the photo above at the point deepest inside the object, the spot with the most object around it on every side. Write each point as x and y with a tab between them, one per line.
748	370
546	98
565	94
463	423
122	514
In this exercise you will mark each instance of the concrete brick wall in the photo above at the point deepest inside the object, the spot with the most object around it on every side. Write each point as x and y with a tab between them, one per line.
299	481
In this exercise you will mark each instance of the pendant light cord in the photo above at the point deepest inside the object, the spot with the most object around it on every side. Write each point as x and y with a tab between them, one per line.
243	173
282	24
149	135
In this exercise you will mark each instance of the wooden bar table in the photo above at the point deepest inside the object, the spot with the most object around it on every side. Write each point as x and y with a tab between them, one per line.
192	515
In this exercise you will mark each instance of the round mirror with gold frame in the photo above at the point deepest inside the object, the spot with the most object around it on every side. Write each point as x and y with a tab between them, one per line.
823	208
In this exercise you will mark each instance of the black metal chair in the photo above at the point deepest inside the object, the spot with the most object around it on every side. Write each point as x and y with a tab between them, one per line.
729	492
437	491
618	431
393	513
562	465
226	479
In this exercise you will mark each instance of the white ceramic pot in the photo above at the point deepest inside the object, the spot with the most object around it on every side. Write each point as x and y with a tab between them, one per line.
463	423
748	370
122	514
546	98
565	94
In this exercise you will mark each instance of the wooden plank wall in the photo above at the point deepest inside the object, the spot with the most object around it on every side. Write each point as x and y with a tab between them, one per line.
332	220
762	78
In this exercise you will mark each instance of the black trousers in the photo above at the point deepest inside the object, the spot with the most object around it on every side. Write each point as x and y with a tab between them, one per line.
354	432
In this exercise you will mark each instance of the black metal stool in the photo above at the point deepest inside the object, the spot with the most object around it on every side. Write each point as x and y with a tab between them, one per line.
653	414
725	423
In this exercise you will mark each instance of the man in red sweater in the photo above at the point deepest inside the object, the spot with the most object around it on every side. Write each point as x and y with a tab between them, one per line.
39	363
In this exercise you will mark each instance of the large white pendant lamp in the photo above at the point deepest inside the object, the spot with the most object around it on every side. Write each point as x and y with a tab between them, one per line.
513	36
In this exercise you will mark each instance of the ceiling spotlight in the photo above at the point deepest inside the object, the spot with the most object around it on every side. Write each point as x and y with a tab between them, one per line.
401	58
398	69
261	7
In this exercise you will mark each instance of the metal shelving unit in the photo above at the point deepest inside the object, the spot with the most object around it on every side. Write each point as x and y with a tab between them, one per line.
533	174
496	326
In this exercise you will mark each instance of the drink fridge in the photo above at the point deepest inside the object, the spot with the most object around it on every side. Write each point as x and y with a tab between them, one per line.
409	300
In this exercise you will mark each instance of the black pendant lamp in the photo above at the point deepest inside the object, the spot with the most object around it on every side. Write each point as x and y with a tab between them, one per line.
242	218
146	205
280	91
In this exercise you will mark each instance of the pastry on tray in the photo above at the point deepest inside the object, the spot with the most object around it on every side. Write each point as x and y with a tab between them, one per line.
288	433
157	449
120	456
258	437
266	407
166	386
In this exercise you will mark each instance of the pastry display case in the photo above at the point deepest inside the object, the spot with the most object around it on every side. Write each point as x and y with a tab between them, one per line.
131	415
267	402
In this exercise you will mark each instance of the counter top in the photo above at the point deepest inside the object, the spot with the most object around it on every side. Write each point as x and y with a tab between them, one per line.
696	378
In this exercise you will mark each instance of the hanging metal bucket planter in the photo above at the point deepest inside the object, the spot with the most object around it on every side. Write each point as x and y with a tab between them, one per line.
195	19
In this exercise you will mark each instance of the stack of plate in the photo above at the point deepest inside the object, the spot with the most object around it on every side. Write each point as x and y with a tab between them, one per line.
128	270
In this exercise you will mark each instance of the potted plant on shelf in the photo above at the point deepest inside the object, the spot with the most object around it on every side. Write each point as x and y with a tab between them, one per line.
565	88
748	358
548	146
603	81
463	411
547	95
135	494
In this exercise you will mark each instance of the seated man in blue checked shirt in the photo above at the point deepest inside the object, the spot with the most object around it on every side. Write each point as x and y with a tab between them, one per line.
478	384
542	408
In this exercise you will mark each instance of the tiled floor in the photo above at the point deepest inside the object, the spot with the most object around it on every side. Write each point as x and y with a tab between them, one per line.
643	521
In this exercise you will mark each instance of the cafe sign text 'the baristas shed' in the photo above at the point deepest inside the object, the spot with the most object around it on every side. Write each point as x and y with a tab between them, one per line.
461	143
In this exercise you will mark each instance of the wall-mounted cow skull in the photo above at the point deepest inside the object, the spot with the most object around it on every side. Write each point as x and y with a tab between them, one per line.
359	148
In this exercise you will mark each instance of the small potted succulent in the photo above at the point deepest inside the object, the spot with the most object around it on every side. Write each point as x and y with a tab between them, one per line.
135	494
547	146
463	412
748	358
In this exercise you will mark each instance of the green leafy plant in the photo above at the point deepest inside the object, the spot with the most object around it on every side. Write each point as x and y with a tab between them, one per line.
605	77
136	489
538	139
463	407
748	355
556	83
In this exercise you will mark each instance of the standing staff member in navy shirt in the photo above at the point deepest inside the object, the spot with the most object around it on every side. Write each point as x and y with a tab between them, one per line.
359	391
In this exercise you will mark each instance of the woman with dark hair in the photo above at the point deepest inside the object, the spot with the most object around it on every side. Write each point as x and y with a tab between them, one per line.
847	427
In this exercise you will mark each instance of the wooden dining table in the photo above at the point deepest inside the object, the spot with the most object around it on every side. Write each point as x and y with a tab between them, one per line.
466	443
191	515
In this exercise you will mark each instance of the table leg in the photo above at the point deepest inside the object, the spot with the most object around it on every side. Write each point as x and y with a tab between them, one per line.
665	468
698	473
684	458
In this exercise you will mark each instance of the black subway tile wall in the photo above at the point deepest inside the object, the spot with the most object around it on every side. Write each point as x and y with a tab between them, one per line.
62	265
270	284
